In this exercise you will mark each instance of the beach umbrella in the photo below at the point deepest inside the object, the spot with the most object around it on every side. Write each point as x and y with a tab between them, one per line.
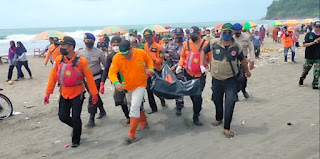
308	21
50	33
156	28
167	27
218	26
112	29
291	23
275	23
248	25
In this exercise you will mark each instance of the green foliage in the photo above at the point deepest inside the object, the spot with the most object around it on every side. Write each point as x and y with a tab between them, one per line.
285	9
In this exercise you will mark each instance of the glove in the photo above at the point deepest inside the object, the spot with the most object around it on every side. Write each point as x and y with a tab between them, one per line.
46	99
94	99
102	87
203	69
178	69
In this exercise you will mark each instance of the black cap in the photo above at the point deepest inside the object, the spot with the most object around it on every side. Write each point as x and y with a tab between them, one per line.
67	40
147	33
316	24
227	26
194	30
124	47
178	31
116	39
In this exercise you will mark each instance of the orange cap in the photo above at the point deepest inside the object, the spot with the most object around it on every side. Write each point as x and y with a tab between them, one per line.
290	29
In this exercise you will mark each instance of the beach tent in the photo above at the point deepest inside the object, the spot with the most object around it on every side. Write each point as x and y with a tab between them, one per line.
50	33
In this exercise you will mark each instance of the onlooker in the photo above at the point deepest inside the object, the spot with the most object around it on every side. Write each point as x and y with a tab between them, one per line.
21	60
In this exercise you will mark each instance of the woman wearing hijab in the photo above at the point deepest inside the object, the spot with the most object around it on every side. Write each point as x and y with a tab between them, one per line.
21	60
11	54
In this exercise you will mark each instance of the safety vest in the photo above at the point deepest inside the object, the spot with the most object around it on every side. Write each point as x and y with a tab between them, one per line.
68	75
192	62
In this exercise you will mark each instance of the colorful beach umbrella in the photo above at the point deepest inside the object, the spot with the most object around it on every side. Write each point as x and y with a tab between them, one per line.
167	27
291	23
308	21
50	33
275	23
156	28
248	25
112	29
218	26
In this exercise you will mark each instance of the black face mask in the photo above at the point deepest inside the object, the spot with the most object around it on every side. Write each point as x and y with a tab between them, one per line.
179	39
63	51
89	45
194	38
238	34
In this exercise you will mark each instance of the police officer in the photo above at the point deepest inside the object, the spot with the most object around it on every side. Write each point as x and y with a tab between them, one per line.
95	58
224	67
244	40
172	54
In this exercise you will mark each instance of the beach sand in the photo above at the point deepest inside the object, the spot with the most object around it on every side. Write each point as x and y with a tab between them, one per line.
260	122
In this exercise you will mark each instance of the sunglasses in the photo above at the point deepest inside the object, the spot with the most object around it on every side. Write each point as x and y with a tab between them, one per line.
227	32
290	32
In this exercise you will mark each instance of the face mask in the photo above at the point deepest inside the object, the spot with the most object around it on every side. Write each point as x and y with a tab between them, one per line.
238	34
63	51
226	37
194	39
116	49
132	39
317	33
89	45
179	39
208	35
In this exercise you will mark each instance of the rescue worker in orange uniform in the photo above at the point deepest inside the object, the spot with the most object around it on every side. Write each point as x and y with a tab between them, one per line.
288	44
133	65
53	52
69	70
154	50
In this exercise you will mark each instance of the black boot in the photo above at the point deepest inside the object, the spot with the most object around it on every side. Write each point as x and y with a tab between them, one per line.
315	86
196	120
178	111
91	121
163	103
102	113
245	94
301	81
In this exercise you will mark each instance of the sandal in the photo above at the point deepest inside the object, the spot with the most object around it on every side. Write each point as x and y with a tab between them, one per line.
127	122
216	123
230	134
129	141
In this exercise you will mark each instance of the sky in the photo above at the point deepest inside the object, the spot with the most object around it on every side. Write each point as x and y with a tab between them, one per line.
72	13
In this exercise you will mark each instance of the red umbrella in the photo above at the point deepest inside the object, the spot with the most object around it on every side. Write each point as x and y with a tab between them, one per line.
218	26
167	27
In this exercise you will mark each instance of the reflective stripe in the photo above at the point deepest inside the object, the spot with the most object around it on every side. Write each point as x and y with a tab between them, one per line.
190	61
62	72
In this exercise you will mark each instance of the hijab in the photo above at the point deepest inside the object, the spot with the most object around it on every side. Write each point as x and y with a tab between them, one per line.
12	50
21	49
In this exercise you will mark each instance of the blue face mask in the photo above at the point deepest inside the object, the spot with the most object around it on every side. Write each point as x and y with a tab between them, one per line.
226	37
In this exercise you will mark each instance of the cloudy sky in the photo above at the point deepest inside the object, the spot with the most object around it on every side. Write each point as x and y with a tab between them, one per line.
62	13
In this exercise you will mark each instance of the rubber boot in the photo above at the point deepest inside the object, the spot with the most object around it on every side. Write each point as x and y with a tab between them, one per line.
133	126
143	120
102	113
301	81
91	121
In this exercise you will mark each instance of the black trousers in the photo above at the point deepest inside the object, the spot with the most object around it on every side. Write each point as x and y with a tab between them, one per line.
10	72
197	100
92	108
151	99
65	105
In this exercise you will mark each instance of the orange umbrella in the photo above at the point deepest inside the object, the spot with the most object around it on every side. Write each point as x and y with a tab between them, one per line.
308	21
50	33
291	23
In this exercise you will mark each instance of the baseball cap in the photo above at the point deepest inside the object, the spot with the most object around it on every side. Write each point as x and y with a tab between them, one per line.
147	33
89	36
116	39
237	26
124	47
194	30
55	39
316	24
133	32
67	40
227	26
178	31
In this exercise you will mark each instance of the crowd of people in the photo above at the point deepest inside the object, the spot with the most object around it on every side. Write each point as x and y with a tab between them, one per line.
228	54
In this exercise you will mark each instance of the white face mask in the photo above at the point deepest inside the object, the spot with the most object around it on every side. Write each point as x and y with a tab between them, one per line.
116	49
132	38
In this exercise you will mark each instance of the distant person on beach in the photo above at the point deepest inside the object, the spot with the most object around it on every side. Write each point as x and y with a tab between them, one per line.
207	36
309	28
21	60
194	45
257	42
244	40
154	50
135	66
95	58
53	52
275	34
312	55
118	96
295	36
217	34
288	44
106	40
187	35
101	45
47	47
134	42
224	68
12	52
279	34
70	70
262	32
172	54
